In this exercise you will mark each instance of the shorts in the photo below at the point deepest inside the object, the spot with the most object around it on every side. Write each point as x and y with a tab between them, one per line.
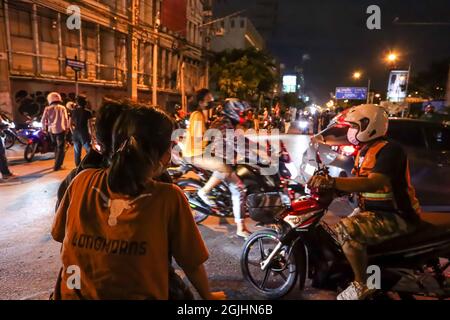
370	228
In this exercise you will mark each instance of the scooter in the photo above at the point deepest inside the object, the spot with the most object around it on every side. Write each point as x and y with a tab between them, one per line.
298	245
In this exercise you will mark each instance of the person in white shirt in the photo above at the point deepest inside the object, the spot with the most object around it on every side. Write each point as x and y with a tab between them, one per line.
56	122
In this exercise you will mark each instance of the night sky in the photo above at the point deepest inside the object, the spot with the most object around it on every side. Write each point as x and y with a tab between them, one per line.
334	35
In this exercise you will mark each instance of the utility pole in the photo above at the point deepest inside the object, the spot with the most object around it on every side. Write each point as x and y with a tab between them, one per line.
132	74
5	88
155	60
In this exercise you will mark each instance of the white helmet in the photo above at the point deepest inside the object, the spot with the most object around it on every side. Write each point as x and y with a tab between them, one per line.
53	97
371	122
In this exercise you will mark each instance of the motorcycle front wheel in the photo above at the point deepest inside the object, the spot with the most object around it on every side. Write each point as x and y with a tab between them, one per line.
10	139
283	271
30	151
190	188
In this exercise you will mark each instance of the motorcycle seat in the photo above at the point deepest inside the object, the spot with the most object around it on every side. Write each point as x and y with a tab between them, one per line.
433	227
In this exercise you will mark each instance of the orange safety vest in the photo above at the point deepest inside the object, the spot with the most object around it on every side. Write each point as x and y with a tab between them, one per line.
364	166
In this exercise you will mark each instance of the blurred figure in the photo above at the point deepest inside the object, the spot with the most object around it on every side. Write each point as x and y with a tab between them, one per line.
56	122
430	114
81	137
4	170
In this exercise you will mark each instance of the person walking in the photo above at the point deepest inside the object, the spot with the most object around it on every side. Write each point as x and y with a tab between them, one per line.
81	137
56	122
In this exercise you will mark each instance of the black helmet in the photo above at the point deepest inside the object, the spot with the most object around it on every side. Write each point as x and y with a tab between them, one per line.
232	109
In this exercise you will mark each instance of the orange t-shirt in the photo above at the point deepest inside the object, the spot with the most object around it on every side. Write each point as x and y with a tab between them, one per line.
121	244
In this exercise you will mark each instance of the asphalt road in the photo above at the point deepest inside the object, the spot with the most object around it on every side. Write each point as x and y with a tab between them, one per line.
29	258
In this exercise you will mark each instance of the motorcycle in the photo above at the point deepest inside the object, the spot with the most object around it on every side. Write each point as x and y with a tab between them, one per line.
9	132
298	245
251	177
39	141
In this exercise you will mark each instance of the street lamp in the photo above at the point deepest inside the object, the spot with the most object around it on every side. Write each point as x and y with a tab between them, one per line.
392	57
357	75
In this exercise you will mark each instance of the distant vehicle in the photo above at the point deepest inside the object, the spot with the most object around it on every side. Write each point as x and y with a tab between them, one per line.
427	145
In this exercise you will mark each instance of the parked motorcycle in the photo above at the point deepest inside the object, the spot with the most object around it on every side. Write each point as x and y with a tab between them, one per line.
299	245
39	141
9	132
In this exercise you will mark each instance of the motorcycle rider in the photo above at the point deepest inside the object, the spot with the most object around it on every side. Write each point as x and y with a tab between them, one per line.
388	207
229	119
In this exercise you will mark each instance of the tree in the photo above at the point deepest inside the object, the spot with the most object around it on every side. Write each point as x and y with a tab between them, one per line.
432	82
245	74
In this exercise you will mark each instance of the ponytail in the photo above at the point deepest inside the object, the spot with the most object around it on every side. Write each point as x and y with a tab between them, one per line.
140	137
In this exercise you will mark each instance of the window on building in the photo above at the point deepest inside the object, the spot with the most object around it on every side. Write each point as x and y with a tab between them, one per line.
242	23
232	23
48	41
222	24
20	22
21	38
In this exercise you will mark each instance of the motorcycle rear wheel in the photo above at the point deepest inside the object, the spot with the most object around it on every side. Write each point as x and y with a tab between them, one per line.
292	264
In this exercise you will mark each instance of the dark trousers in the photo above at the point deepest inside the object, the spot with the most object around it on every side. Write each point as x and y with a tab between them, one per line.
59	140
80	141
3	162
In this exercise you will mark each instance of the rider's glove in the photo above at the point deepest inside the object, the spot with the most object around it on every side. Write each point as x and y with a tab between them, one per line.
321	182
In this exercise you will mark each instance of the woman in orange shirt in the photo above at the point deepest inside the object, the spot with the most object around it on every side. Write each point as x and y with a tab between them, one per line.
114	246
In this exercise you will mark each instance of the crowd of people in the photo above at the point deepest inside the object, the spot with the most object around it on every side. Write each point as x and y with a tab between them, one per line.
121	221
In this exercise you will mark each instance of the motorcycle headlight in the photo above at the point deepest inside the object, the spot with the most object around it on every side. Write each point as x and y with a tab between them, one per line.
37	124
12	125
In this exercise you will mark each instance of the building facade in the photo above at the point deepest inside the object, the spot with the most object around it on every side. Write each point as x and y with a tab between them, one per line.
236	33
121	42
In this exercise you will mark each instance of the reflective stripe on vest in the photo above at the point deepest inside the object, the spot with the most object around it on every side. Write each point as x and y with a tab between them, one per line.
377	196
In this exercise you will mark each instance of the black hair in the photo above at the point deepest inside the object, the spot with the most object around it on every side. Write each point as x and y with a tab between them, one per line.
201	95
106	117
140	137
82	100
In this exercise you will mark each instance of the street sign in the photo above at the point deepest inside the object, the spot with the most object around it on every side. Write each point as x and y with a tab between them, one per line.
351	93
76	65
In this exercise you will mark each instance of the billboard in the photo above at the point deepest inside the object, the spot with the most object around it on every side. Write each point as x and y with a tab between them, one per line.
351	93
397	86
289	84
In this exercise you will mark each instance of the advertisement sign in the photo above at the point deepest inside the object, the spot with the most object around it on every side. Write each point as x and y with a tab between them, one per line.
398	83
351	93
289	84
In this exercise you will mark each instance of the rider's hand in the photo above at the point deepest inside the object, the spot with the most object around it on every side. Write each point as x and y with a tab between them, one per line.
322	182
218	295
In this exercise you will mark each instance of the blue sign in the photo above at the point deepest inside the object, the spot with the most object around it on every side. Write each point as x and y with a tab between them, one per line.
351	93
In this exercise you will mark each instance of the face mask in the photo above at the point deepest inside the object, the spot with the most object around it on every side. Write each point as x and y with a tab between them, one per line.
351	136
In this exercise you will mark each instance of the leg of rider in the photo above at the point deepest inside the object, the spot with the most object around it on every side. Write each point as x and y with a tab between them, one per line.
221	171
357	257
237	197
